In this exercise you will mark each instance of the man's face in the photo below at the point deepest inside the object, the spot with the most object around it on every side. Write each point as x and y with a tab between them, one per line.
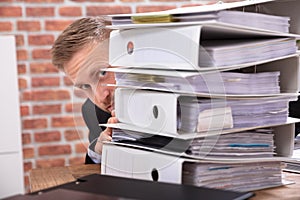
84	70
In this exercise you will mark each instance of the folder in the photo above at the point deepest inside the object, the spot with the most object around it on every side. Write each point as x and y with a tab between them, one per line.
180	143
238	175
195	48
266	79
250	19
260	14
172	112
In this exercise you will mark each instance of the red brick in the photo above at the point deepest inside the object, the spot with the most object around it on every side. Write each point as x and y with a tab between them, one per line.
22	54
6	26
67	121
141	9
57	25
10	11
45	81
40	39
67	81
57	162
77	160
70	11
28	152
26	183
27	166
41	54
100	1
81	147
126	1
29	25
21	69
50	136
105	10
41	68
54	150
40	11
191	5
26	138
6	1
167	1
42	1
73	107
72	135
45	95
34	123
22	83
24	110
19	40
47	109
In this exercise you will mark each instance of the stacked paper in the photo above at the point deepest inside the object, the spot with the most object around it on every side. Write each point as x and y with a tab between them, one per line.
232	52
189	111
206	14
257	143
238	176
206	114
235	82
256	20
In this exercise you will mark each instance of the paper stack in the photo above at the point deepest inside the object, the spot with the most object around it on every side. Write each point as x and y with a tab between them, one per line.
232	52
233	176
202	96
210	14
232	82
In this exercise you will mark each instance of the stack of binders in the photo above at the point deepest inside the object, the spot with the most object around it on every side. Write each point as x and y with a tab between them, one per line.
202	99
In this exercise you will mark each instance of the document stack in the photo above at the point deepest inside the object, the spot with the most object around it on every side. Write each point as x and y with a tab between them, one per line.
202	95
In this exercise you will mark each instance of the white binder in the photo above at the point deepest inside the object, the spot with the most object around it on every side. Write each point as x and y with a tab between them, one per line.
142	163
177	45
283	136
171	112
181	48
182	81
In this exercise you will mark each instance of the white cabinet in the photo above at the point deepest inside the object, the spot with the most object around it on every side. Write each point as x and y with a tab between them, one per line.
11	168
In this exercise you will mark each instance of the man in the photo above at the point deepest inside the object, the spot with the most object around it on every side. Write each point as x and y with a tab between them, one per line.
81	51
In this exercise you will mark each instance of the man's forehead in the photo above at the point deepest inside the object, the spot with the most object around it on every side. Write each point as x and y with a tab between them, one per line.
87	59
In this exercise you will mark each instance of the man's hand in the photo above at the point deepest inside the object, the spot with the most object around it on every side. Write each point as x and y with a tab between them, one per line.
105	135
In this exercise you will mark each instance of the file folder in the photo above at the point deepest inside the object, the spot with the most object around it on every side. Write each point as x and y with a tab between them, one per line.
275	77
139	136
156	48
141	163
205	13
172	112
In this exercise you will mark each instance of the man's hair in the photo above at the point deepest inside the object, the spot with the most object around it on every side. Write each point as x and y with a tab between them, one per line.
77	36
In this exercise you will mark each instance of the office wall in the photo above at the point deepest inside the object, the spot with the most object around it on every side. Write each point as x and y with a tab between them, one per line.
53	132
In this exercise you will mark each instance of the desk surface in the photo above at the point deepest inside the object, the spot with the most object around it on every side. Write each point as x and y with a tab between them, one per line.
48	177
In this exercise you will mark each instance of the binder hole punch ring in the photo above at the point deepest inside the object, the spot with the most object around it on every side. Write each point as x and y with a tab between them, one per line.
154	174
155	112
130	47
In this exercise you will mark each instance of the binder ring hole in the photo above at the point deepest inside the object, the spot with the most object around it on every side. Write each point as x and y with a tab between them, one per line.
155	112
154	174
130	47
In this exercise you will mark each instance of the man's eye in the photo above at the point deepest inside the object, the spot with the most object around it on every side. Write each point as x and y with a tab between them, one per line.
102	73
85	86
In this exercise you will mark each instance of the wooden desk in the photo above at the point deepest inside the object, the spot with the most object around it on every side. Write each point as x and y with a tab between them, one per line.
48	177
44	178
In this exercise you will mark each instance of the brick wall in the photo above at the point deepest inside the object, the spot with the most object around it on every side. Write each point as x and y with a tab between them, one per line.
53	132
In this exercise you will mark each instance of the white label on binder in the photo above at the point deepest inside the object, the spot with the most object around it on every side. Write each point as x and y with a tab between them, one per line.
214	119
